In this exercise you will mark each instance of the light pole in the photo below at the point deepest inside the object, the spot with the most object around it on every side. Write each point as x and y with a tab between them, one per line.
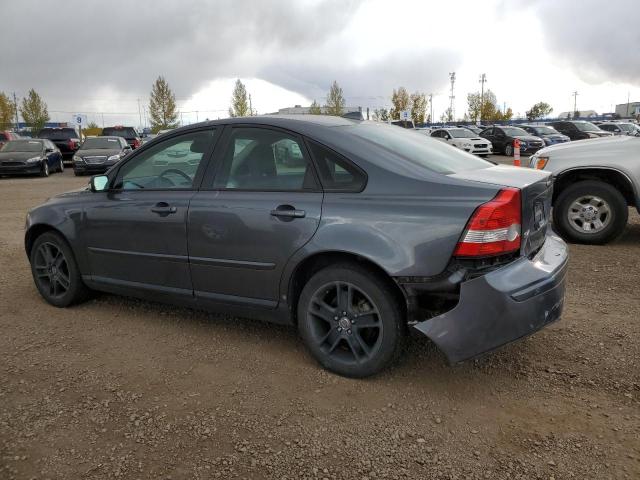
483	79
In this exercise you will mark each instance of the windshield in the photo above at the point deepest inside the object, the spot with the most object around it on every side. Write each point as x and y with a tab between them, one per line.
58	133
545	131
124	132
101	143
461	133
586	126
418	149
515	132
627	127
22	146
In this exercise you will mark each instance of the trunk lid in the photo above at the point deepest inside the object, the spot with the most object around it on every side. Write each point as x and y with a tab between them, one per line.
536	190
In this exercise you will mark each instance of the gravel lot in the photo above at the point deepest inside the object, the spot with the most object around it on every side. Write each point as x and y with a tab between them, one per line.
119	388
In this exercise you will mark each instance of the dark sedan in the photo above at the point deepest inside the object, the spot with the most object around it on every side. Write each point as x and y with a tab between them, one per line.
549	135
579	129
98	154
374	230
30	157
502	139
66	139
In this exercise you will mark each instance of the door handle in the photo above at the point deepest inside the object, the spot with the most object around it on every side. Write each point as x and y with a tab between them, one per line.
163	208
288	211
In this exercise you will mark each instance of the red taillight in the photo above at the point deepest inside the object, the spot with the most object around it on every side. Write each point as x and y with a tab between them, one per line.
136	143
72	144
494	228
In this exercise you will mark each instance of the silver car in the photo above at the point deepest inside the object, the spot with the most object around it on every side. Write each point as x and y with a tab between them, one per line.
595	181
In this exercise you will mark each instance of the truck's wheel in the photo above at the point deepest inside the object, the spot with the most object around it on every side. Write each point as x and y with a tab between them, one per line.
351	321
591	212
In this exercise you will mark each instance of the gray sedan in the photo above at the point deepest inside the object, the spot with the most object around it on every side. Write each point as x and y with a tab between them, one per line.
352	231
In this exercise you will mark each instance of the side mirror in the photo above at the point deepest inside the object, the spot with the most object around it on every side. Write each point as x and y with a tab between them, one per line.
99	183
48	150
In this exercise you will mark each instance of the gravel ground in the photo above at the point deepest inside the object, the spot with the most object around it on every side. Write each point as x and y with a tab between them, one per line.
119	388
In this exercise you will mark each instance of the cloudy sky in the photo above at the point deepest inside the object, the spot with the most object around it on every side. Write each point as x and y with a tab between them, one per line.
101	58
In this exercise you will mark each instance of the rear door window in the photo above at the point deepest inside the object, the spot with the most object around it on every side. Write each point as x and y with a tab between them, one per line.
336	172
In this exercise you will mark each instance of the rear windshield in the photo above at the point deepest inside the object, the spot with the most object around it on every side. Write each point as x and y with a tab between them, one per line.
22	146
545	130
586	126
419	149
101	143
124	132
514	132
58	133
461	133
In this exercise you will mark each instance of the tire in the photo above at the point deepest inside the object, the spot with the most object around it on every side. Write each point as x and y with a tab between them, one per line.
508	150
61	166
584	203
44	170
56	273
356	338
77	173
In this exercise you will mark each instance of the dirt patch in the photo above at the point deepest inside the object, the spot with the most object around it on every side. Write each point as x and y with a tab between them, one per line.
119	388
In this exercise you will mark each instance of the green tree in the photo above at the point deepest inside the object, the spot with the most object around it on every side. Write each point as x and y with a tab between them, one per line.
239	101
335	100
315	108
401	101
7	112
482	108
539	110
162	106
381	114
34	111
418	107
92	125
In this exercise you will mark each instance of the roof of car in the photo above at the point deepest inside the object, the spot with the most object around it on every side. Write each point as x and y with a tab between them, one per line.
323	120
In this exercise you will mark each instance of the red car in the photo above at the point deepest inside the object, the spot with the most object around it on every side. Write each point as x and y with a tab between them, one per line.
5	136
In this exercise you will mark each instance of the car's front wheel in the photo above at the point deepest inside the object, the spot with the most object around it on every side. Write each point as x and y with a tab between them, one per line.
61	166
55	271
351	320
590	212
44	169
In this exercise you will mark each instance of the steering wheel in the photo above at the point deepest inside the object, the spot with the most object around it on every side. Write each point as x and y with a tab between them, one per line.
177	172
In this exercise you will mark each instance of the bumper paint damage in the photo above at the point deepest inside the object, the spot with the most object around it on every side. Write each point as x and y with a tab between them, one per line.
504	305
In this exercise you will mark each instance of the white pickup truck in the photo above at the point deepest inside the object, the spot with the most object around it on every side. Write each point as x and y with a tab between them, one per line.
595	183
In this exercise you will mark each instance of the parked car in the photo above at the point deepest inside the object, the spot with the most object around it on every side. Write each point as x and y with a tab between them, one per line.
620	128
128	133
579	129
343	253
65	138
403	123
502	140
464	139
548	134
98	154
595	184
30	156
6	136
473	128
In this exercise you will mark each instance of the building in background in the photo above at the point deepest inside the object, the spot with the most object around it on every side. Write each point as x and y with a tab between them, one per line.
631	109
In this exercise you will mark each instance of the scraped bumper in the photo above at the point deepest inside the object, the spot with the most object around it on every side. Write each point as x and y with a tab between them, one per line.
504	305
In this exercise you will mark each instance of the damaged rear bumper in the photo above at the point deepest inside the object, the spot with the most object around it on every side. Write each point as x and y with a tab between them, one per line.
504	305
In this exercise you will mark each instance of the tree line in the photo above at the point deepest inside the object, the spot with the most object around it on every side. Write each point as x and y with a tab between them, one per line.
163	113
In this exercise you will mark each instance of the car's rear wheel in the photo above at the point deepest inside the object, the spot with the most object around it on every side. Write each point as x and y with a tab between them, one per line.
590	212
61	166
44	169
55	271
351	321
508	150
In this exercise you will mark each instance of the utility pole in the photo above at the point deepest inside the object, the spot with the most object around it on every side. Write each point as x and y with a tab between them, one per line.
575	103
452	77
102	114
431	106
628	113
483	79
139	114
15	106
250	106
